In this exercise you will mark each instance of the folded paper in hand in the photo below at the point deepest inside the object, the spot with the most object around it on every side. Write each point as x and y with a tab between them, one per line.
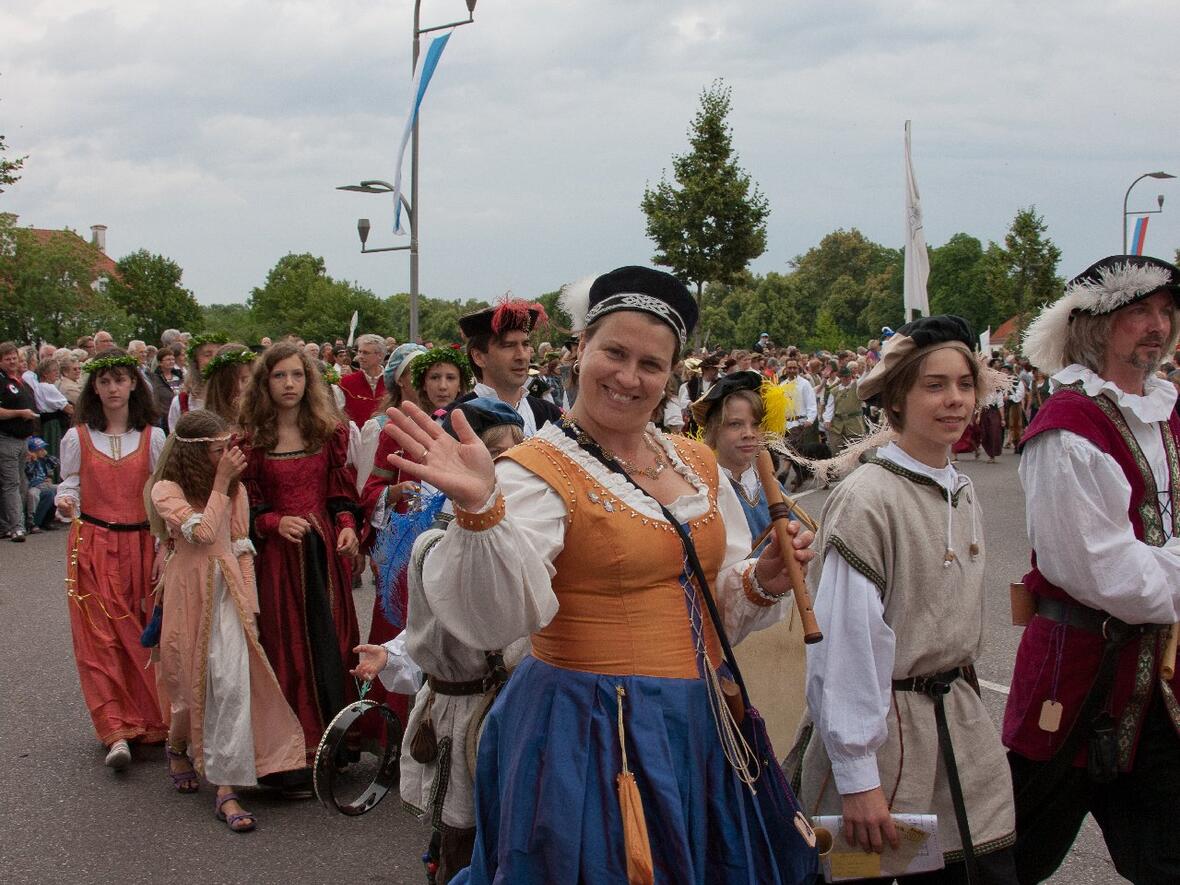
918	850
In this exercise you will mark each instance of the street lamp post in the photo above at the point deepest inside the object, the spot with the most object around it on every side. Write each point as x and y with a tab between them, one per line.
374	186
1159	200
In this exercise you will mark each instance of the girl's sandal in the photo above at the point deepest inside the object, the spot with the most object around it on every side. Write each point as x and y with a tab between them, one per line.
184	781
242	822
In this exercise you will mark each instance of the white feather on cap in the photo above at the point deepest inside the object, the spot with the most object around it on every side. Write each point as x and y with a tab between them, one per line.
1115	287
1044	339
575	301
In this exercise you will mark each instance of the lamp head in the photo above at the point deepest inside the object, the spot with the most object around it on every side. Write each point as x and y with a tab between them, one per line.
471	7
1160	200
1160	175
362	229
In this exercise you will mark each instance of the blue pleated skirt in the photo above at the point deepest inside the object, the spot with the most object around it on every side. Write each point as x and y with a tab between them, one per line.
547	808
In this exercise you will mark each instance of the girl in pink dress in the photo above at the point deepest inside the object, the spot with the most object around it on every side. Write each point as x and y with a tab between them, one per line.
226	703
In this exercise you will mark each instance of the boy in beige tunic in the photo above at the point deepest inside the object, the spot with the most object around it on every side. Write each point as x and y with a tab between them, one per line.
899	597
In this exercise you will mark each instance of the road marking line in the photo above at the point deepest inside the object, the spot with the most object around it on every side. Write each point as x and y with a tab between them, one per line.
994	686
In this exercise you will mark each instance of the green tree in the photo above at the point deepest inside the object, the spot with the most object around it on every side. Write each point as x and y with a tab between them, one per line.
299	297
958	282
826	335
1023	273
235	321
711	222
9	169
51	288
148	290
855	280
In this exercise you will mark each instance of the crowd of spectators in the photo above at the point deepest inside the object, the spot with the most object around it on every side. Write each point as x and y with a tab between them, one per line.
41	386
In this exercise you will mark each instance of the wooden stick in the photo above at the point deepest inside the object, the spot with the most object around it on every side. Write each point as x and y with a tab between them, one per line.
1168	661
800	514
774	496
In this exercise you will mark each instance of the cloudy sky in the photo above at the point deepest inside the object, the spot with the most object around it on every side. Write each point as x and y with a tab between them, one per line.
215	133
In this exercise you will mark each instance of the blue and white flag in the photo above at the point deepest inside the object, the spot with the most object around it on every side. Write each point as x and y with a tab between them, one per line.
426	65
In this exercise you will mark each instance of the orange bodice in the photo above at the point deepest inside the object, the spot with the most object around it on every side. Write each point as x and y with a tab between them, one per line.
622	607
113	490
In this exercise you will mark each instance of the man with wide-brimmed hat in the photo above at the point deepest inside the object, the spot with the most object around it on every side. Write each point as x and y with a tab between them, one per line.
1091	725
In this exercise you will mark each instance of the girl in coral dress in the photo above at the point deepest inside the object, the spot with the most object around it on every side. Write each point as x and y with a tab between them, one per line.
226	702
105	461
303	495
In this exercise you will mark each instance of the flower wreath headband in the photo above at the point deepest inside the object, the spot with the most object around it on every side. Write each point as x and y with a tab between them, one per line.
225	437
241	357
423	363
126	361
208	338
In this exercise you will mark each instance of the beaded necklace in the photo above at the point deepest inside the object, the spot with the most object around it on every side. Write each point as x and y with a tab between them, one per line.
631	469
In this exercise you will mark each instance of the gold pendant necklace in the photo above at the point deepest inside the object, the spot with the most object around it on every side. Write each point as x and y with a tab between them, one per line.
629	468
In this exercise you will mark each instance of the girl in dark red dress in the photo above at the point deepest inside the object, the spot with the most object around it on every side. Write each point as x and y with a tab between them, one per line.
303	498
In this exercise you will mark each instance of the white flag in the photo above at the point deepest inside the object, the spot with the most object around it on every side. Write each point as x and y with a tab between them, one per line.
985	341
352	327
917	261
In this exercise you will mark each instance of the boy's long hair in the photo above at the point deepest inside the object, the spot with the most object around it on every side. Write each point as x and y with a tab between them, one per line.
318	416
141	404
221	388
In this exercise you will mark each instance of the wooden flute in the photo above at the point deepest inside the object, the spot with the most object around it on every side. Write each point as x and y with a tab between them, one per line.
780	515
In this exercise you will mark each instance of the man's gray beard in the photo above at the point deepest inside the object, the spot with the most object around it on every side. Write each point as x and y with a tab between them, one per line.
1147	366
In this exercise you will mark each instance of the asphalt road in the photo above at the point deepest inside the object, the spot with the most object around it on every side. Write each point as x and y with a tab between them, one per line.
65	817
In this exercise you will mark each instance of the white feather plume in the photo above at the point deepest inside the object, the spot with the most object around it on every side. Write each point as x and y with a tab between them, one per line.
575	301
1044	339
1118	285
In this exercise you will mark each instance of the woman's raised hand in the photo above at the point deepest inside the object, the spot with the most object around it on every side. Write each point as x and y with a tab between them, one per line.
461	469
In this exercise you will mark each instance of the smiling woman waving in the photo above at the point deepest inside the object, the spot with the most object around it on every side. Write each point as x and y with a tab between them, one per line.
612	754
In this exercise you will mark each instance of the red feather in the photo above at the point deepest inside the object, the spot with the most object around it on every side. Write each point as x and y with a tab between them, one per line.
516	315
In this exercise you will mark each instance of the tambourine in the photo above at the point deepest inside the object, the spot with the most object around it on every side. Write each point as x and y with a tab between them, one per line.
332	749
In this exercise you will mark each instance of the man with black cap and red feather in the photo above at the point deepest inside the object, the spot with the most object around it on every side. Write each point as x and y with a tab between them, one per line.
1091	722
500	351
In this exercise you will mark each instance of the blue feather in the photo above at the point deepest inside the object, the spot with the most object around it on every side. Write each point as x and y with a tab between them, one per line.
391	551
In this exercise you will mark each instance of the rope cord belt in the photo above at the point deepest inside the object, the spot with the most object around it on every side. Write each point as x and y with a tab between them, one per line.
937	687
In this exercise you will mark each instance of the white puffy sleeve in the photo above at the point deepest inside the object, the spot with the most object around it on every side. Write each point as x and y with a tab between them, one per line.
849	674
70	455
1077	524
490	588
157	445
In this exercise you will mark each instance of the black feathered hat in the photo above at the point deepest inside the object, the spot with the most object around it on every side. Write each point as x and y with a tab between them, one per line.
509	315
1102	288
649	291
745	380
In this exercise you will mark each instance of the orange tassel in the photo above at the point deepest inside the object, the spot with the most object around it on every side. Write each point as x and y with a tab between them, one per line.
636	845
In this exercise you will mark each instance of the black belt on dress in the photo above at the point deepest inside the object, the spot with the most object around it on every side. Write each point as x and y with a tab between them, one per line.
115	526
937	686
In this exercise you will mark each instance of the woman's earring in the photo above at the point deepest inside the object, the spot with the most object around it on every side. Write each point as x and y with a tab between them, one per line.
577	367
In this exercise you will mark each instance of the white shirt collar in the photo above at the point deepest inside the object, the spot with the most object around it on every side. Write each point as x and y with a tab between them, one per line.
1156	404
521	406
748	480
947	477
482	389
